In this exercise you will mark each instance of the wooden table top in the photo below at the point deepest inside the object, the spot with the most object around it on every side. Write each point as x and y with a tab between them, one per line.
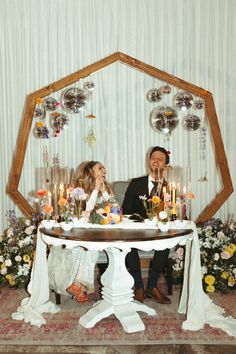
114	235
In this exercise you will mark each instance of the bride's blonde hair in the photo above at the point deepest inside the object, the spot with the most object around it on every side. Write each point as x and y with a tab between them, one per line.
86	179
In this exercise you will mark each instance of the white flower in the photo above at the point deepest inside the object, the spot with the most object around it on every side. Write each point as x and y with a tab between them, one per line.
215	267
27	222
26	241
143	197
3	271
216	256
221	235
163	215
231	282
21	243
26	272
1	259
10	232
29	230
225	255
204	270
18	258
20	271
8	262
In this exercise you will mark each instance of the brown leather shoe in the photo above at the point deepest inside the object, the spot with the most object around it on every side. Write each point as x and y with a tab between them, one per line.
139	294
156	294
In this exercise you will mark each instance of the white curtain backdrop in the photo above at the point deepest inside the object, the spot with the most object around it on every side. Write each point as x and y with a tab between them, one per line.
42	41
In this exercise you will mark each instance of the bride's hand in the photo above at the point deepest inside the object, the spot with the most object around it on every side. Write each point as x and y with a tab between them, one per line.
102	187
99	184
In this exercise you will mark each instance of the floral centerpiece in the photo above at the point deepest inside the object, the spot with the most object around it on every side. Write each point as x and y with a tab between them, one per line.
16	251
47	211
66	210
218	256
104	213
77	198
153	205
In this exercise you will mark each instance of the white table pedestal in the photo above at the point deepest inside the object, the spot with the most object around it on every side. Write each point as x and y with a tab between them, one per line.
117	296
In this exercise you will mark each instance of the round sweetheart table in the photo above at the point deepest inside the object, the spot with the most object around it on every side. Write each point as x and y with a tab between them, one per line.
117	293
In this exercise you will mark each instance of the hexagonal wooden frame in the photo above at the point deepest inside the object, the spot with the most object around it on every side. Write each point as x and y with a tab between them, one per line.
27	117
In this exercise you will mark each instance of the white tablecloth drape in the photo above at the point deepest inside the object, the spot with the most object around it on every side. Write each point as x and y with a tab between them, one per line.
197	305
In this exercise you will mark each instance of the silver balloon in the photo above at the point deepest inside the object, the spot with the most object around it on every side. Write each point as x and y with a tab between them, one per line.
154	95
89	86
166	89
74	100
164	119
191	122
198	103
58	121
39	111
183	100
41	132
50	103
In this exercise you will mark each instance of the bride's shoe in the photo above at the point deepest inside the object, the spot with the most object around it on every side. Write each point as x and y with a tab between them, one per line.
77	292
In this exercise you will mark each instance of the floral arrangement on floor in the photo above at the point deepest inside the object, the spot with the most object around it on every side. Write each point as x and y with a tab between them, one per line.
17	251
218	256
104	213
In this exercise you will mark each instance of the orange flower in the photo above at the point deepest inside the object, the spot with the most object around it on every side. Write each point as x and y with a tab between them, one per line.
90	116
107	209
155	199
48	209
62	202
39	101
191	195
41	192
105	221
40	124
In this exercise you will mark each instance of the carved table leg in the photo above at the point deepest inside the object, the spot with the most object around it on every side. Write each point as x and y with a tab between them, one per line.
117	297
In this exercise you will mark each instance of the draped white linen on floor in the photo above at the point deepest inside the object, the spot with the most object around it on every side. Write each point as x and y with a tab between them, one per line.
43	41
197	305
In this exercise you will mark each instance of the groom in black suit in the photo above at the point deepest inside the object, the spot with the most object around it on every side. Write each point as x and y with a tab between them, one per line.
151	184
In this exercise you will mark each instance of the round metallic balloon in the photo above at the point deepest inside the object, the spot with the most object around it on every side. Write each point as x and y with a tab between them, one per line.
58	121
50	103
154	95
183	100
166	89
198	103
41	132
164	119
39	111
89	86
74	100
191	122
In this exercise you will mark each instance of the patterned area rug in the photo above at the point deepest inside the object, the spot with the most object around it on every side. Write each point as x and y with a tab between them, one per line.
63	328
